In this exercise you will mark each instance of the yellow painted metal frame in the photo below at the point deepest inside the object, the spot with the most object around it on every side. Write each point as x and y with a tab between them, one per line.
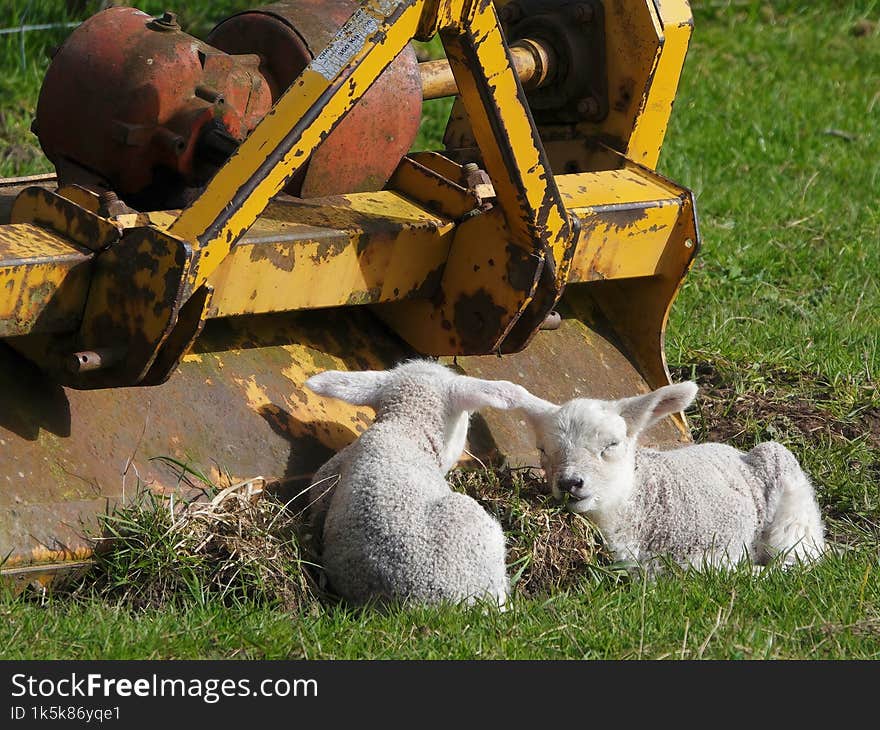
447	281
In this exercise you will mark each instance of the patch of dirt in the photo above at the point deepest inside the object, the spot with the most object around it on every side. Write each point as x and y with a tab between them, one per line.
863	27
549	549
790	404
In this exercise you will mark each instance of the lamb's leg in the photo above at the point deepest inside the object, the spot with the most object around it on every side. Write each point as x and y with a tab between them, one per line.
794	528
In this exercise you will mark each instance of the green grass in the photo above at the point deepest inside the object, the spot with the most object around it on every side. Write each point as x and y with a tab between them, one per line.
828	612
775	128
787	205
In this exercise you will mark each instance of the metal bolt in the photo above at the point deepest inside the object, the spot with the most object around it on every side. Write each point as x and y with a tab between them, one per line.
168	21
87	360
110	205
209	94
551	321
470	167
588	106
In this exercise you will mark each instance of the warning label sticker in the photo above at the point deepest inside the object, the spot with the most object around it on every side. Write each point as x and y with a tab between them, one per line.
345	45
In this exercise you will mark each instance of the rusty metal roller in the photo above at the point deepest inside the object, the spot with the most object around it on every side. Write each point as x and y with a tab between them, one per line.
363	150
128	94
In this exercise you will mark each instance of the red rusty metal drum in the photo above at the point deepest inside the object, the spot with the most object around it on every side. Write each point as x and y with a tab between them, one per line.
127	94
361	153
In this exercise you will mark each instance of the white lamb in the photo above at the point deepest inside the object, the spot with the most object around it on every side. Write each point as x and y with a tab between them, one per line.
705	504
394	529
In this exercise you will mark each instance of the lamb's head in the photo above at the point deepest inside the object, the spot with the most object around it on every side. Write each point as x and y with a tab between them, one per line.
432	395
587	446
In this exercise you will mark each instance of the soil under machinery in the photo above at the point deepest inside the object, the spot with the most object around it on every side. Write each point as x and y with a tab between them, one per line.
231	216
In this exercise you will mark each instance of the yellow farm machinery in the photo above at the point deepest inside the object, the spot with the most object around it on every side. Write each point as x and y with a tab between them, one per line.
230	215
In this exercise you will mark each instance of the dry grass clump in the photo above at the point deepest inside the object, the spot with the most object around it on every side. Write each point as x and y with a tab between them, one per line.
237	543
549	549
241	543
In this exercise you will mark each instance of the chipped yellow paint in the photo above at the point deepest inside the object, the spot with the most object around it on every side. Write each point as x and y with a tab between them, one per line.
622	248
310	408
43	554
363	252
43	280
653	119
255	395
161	219
43	575
332	422
507	137
615	187
65	217
477	267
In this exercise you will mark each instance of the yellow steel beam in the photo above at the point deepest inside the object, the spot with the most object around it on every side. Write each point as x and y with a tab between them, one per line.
364	248
673	23
627	218
369	248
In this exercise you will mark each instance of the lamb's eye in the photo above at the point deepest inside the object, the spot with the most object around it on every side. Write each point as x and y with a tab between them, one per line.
608	447
543	453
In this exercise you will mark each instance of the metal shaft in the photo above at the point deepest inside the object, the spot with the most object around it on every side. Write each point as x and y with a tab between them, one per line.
531	59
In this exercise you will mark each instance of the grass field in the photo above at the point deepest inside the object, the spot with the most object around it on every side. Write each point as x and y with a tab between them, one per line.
775	129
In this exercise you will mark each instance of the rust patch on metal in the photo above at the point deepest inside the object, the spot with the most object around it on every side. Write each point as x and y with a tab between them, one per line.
429	287
282	259
329	248
475	315
362	151
621	217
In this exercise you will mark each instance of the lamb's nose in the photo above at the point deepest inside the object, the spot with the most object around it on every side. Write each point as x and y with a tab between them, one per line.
569	485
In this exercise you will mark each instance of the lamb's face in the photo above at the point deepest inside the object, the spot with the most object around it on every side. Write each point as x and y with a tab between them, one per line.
586	454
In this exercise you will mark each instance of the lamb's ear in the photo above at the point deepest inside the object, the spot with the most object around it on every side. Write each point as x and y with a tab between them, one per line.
642	411
357	388
472	394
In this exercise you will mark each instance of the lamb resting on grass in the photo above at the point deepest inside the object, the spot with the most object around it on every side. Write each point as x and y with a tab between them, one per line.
705	504
393	529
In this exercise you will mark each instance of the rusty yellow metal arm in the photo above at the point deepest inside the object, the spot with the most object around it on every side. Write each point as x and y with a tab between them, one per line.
507	136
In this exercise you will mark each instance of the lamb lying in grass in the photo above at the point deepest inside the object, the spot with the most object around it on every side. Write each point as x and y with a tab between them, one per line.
393	529
705	504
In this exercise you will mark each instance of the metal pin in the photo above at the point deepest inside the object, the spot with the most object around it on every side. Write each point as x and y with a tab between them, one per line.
86	360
